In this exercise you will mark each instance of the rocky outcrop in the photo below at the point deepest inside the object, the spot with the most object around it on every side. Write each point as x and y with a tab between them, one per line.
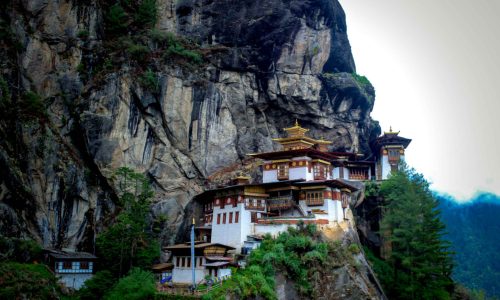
280	61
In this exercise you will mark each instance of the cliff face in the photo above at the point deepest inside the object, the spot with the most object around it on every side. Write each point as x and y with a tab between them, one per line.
266	64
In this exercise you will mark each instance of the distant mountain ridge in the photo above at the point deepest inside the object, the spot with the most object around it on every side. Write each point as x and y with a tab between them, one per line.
473	228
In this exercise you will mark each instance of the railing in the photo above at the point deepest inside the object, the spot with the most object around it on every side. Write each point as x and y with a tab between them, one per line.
283	202
315	202
358	174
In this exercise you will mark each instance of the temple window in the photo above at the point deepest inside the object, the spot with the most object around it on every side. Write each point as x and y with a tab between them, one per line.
315	198
84	265
320	171
393	155
255	204
253	217
283	171
67	265
218	218
224	218
230	217
236	217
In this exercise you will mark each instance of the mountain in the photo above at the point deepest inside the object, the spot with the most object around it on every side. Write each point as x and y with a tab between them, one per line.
176	91
473	229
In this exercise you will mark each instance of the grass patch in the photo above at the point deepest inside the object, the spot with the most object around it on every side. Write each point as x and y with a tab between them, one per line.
32	105
361	79
150	81
27	281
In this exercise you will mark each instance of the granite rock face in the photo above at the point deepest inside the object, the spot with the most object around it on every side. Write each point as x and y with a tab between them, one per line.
282	60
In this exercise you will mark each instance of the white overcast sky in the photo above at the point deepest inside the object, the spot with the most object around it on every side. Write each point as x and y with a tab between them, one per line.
435	66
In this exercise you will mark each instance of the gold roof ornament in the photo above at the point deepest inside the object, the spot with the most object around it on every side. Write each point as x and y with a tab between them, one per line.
391	132
297	134
296	130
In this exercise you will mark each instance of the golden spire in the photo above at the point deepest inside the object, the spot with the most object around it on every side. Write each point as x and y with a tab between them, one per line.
391	131
193	220
297	123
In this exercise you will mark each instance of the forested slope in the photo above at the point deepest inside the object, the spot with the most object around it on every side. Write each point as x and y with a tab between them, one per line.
474	229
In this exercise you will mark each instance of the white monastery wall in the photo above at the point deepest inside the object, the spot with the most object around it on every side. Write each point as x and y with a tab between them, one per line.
74	281
185	275
224	273
335	210
269	176
228	233
274	230
386	167
298	173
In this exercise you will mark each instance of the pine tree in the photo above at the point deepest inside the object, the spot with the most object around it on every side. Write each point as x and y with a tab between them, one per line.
128	242
419	257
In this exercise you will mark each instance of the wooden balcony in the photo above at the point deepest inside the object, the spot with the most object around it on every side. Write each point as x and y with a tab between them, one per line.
277	203
315	202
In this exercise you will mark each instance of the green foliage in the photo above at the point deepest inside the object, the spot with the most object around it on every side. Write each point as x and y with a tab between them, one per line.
361	79
372	189
32	105
419	257
19	250
158	36
116	19
137	285
176	48
298	254
147	13
380	267
150	81
27	281
97	286
83	34
127	243
80	68
354	248
107	65
138	52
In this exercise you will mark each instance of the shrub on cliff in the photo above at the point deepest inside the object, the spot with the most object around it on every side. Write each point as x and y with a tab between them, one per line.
19	250
116	19
147	13
299	254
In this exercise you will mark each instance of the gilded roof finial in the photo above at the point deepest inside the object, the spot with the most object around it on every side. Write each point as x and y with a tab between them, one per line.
193	220
390	128
296	122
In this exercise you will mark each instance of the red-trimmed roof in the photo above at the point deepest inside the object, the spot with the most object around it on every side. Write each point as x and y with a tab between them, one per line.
313	153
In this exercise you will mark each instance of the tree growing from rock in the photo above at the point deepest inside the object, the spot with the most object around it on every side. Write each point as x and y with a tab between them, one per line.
128	242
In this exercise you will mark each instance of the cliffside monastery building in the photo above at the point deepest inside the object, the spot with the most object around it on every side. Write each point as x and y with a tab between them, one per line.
301	182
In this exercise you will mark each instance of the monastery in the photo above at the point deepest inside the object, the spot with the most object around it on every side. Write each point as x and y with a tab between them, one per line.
302	182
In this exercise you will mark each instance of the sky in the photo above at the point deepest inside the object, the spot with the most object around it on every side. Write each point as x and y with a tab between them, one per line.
435	66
